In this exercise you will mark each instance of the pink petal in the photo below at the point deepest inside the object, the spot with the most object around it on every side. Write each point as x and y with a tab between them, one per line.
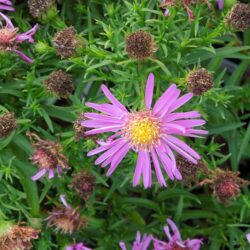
101	117
63	200
149	91
105	108
122	245
166	162
27	35
39	174
145	169
22	55
9	24
138	169
157	167
180	102
112	99
184	146
174	229
161	102
113	128
118	158
190	123
4	7
181	115
51	174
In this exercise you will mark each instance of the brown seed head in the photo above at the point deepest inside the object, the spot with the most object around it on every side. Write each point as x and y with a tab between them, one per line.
47	154
39	7
60	83
66	220
66	42
226	184
83	183
188	170
199	81
140	45
7	124
7	38
18	238
239	17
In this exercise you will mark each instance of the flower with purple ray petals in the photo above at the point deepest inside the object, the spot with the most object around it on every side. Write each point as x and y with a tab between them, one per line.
220	4
10	40
175	241
151	133
77	246
139	244
6	5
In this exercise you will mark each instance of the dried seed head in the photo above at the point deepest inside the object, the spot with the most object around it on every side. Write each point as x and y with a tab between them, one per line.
66	42
8	38
83	182
66	219
239	17
80	130
140	45
60	83
47	155
7	124
188	170
226	184
199	81
39	7
17	238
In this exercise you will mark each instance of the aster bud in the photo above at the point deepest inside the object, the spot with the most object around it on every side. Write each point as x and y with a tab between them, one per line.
47	155
7	124
60	83
226	184
66	219
83	183
239	17
16	237
68	43
199	81
188	170
140	45
39	7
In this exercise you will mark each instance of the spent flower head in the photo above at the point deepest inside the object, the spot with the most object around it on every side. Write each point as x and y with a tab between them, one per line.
225	184
151	133
16	237
141	243
67	42
60	83
7	124
66	219
39	7
199	81
239	17
175	241
47	155
83	183
6	5
10	39
140	45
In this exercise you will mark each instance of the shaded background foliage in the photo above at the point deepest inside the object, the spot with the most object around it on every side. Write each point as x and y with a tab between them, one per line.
116	210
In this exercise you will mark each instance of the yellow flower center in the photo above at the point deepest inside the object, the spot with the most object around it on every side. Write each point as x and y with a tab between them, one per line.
142	130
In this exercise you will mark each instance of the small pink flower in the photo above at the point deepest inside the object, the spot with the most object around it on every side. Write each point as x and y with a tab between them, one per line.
77	246
6	5
10	40
139	244
151	133
175	241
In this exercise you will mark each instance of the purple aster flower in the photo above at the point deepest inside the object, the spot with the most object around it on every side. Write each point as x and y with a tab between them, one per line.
175	241
10	40
77	246
139	244
220	4
248	237
150	132
6	5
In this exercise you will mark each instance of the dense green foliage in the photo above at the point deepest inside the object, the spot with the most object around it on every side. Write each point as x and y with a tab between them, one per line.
116	210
